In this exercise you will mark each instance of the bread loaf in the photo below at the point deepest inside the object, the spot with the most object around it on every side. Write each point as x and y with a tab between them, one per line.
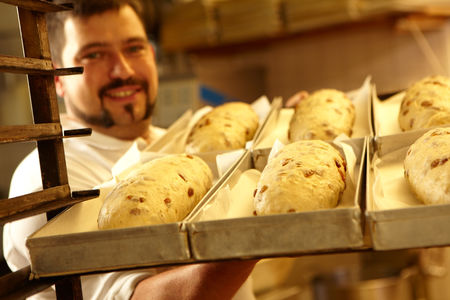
226	127
426	104
323	115
427	167
163	190
302	176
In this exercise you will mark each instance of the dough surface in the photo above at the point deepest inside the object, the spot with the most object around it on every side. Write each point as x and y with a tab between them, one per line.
227	127
427	167
426	104
323	115
163	190
302	176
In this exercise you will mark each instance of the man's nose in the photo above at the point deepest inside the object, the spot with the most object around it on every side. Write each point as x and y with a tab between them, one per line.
121	67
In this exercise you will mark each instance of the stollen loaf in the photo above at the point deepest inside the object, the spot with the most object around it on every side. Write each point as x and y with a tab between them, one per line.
426	104
163	190
323	115
427	167
226	127
302	176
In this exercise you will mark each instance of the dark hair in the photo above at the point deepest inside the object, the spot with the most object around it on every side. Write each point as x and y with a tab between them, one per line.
82	9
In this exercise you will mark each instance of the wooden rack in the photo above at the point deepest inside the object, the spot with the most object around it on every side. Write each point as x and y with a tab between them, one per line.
48	134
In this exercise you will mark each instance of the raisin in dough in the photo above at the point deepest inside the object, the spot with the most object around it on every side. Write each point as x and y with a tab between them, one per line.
302	176
323	115
163	190
227	127
426	104
427	167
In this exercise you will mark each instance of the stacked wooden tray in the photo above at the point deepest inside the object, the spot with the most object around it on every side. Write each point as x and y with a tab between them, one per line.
301	15
248	19
188	25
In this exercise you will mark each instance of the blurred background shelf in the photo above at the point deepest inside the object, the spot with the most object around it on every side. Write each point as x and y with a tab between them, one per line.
188	25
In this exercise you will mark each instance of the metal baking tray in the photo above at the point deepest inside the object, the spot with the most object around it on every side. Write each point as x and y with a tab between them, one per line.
396	219
329	230
174	139
71	242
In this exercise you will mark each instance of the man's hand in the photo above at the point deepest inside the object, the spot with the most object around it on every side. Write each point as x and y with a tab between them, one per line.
217	280
296	98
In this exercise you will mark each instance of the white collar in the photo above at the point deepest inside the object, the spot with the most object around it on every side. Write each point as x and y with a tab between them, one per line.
97	139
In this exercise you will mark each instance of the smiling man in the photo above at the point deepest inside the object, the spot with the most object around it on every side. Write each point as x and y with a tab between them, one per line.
117	91
114	96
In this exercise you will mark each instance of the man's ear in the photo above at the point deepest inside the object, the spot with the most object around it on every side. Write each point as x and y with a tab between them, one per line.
152	48
59	85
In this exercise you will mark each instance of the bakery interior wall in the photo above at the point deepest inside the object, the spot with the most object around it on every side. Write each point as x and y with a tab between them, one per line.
391	49
337	57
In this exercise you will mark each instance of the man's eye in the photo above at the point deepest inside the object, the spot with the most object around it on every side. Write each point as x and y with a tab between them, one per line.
92	55
135	49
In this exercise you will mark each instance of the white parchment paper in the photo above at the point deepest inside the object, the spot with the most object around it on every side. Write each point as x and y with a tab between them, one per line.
235	200
390	189
385	115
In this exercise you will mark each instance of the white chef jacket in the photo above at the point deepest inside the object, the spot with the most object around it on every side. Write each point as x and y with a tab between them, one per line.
89	163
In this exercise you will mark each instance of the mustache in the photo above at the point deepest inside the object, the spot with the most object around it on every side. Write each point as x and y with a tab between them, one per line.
117	83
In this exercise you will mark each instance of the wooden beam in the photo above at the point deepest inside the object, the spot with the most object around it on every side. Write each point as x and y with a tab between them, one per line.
21	284
12	209
39	5
12	62
69	288
34	203
18	285
34	66
38	132
68	71
77	132
22	133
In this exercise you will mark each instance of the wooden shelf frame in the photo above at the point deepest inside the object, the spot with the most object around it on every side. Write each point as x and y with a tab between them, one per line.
18	285
48	134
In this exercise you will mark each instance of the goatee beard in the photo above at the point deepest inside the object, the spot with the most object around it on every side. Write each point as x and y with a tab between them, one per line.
105	119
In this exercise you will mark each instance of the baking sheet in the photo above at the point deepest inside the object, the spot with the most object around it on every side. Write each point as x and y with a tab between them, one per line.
278	123
226	228
71	242
396	219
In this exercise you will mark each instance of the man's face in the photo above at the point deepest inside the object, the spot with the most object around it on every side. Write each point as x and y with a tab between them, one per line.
119	82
